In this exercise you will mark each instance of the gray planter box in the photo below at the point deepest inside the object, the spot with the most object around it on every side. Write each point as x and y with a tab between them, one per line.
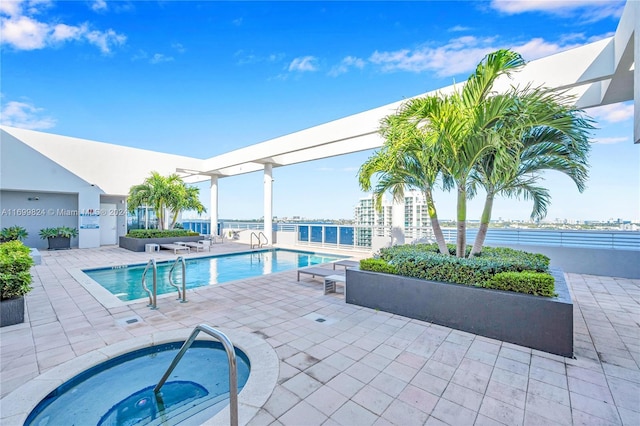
536	322
11	311
137	244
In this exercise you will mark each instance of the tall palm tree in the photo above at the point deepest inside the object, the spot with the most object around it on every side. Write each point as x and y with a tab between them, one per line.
405	160
184	198
162	193
553	137
476	136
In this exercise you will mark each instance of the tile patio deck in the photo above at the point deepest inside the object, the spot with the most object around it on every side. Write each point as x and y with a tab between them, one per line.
361	367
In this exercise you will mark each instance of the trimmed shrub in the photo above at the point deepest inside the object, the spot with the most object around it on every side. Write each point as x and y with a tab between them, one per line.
530	282
378	265
160	233
15	263
425	262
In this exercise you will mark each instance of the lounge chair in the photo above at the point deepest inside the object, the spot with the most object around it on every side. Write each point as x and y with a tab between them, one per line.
315	271
176	248
346	263
200	245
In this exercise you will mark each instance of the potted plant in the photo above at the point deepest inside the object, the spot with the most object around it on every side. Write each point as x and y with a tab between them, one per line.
15	281
59	238
13	233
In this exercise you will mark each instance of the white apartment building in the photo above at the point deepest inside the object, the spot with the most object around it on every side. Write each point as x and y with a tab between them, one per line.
410	215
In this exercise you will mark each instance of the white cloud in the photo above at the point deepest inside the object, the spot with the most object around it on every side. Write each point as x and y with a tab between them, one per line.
99	5
458	28
25	116
613	140
613	113
23	31
587	10
346	64
458	56
462	54
159	58
178	47
303	64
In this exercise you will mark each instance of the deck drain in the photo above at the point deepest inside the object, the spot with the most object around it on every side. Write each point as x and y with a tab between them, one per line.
129	320
316	317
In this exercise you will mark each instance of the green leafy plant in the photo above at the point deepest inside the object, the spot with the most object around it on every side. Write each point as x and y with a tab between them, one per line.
15	263
530	282
160	233
13	233
425	261
61	231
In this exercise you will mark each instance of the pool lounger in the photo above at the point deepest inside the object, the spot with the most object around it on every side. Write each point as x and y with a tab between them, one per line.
175	247
200	245
346	263
320	272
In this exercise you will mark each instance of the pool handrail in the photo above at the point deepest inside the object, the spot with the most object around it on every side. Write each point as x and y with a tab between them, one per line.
152	296
259	236
233	368
184	279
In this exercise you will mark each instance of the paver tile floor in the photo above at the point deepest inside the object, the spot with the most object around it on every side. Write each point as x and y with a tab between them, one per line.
359	366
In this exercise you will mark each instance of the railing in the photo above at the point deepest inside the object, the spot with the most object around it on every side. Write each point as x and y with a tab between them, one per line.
233	369
152	295
259	236
184	279
360	237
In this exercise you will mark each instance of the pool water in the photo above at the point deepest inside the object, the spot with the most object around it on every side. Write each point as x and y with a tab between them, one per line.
120	391
125	281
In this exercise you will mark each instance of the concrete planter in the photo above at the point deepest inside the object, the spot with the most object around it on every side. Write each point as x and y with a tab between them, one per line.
11	311
59	243
536	322
137	244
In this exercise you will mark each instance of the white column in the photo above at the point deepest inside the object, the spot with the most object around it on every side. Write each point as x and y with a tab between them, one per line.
213	206
636	75
268	202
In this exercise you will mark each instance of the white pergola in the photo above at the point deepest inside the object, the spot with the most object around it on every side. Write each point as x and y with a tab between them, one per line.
599	73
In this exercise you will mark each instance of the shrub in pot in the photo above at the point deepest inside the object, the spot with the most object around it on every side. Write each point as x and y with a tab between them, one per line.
13	233
15	281
58	238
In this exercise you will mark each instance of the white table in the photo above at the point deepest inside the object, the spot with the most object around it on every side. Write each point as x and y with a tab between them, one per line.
330	282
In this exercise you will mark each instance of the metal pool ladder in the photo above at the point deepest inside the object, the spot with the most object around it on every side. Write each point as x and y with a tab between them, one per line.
259	236
233	368
152	296
184	279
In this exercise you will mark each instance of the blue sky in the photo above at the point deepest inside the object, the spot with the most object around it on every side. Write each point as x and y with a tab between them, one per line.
203	78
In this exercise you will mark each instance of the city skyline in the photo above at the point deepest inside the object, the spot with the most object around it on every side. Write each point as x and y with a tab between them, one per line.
210	77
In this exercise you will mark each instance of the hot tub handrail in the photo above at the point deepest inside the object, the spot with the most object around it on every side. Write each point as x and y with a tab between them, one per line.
184	279
152	295
233	369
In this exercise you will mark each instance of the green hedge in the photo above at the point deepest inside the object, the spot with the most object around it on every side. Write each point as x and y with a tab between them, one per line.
378	265
425	262
160	233
530	282
15	265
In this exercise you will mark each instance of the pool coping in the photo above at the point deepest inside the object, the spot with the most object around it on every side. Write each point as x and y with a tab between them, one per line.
265	369
109	300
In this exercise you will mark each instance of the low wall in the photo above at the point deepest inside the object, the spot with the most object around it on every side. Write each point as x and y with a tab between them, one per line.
603	262
137	244
542	323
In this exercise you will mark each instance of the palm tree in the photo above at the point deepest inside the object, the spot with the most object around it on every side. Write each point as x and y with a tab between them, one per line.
162	193
554	138
478	137
185	198
407	159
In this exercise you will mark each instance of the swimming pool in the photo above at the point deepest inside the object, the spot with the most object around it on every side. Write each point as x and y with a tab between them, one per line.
125	281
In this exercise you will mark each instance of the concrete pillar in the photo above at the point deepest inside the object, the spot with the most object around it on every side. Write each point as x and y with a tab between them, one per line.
268	202
213	206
